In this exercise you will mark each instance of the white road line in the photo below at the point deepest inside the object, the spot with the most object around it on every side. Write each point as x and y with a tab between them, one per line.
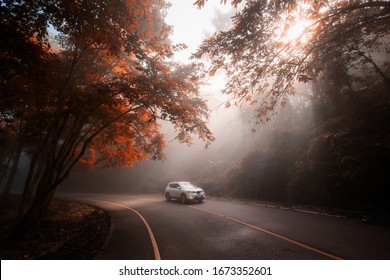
297	210
307	211
331	256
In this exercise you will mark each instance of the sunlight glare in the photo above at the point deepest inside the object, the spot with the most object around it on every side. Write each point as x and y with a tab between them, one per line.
296	30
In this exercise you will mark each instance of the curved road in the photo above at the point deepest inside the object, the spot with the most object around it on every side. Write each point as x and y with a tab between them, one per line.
148	227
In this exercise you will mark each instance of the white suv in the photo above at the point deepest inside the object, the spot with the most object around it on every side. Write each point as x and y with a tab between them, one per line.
185	191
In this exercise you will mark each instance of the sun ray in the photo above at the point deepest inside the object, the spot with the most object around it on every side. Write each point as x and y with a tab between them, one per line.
296	30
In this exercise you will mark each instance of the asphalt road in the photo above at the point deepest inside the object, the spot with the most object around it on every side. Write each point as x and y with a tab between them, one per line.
148	227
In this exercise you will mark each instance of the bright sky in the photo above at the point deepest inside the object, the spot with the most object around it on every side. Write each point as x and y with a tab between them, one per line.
191	26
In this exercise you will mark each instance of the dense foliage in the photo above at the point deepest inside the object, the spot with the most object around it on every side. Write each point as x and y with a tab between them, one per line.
339	48
273	44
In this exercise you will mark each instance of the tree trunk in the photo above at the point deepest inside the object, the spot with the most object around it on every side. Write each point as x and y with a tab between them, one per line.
35	214
385	78
11	177
44	193
36	169
4	166
27	190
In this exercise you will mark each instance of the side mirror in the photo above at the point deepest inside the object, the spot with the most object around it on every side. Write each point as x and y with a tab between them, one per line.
178	187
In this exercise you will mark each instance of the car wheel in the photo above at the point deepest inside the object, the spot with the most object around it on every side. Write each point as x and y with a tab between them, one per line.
167	197
183	198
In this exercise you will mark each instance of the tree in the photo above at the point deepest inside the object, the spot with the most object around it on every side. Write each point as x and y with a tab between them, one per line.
274	44
341	49
96	97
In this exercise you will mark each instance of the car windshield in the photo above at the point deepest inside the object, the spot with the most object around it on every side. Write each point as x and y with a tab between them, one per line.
187	185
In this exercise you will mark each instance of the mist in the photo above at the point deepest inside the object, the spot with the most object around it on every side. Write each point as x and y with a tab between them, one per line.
237	137
327	145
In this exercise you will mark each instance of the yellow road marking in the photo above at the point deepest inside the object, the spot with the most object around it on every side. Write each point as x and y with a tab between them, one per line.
151	235
271	233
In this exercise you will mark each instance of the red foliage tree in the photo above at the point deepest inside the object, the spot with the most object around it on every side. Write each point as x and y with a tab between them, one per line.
95	93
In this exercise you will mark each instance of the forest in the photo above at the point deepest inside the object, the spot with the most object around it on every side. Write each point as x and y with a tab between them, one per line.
92	84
